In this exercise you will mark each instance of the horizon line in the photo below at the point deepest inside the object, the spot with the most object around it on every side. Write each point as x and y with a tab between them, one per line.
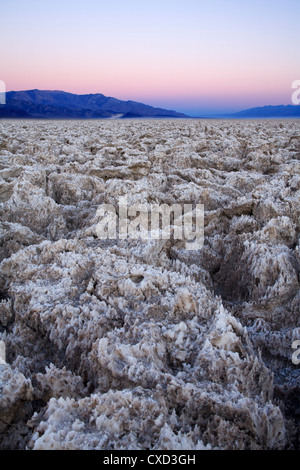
205	113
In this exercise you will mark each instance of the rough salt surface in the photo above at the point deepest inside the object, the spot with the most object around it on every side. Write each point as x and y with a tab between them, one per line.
129	344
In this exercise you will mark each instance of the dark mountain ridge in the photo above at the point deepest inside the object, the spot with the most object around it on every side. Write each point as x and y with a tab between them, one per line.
47	104
280	111
60	104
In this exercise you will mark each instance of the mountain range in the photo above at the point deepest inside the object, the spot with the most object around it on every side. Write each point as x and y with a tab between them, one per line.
280	111
45	104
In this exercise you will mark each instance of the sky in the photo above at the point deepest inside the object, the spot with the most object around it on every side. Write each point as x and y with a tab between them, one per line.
193	56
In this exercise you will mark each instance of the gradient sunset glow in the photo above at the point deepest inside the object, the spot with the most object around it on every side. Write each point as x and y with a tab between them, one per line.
192	56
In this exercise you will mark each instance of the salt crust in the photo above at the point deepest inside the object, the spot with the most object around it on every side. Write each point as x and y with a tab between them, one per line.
129	344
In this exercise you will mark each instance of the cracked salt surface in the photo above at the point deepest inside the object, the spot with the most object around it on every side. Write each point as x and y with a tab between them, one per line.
129	344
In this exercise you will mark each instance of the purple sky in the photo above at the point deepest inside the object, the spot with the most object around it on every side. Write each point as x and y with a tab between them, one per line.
194	56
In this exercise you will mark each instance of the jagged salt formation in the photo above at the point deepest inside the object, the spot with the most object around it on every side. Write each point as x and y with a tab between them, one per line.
129	344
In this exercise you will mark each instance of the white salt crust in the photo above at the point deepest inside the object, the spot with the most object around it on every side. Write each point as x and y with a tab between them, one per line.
134	344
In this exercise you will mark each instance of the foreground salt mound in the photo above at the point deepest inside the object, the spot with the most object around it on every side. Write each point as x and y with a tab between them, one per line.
138	328
15	405
129	344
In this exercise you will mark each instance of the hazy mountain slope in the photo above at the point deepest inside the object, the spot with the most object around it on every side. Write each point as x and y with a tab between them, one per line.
269	112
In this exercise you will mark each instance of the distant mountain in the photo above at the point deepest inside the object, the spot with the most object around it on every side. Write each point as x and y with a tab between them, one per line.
281	111
46	104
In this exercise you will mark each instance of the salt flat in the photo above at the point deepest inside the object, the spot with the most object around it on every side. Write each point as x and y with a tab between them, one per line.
136	344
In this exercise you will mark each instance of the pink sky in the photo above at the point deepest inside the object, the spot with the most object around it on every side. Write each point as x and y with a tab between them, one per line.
197	58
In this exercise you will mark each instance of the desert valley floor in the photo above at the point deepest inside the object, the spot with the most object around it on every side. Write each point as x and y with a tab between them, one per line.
136	344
